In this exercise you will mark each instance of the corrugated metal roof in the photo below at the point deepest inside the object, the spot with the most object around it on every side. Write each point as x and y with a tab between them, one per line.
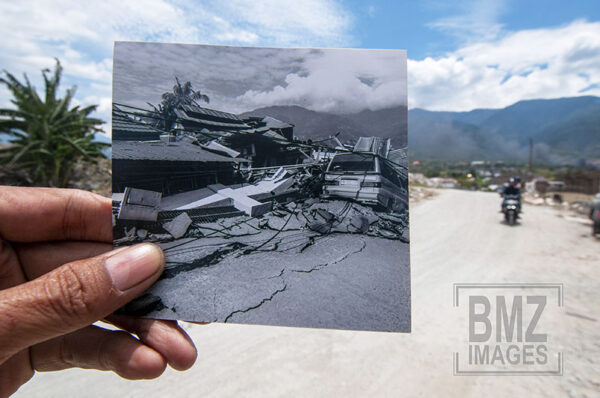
175	152
211	112
124	123
183	116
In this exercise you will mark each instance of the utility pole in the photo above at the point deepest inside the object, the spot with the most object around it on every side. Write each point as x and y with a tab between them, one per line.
530	155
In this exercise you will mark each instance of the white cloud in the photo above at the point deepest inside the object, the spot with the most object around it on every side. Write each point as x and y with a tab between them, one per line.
496	70
537	63
470	19
81	34
314	23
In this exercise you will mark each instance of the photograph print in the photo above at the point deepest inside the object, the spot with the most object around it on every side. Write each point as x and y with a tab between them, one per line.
275	180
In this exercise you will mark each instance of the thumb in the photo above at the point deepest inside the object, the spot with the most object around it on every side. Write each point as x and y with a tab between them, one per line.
75	295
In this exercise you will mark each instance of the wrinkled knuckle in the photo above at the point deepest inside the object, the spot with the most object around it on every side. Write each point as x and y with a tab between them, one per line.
72	216
103	354
67	295
65	353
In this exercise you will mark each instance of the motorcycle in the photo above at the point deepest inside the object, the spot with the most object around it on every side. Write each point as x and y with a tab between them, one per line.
511	207
595	216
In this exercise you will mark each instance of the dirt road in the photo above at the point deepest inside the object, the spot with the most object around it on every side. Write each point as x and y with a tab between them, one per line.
456	237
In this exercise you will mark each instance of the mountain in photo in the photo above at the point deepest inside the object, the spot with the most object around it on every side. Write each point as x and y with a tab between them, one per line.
308	124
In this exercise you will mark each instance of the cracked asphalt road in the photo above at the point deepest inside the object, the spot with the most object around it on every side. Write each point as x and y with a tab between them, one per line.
343	281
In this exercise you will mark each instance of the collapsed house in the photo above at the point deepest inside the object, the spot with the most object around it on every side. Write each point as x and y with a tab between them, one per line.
169	167
126	126
263	141
216	165
194	118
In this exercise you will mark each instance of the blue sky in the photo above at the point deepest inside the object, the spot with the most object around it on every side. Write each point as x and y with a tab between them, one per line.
462	54
426	28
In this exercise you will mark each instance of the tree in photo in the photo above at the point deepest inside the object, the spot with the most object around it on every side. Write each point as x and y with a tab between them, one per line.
47	136
182	94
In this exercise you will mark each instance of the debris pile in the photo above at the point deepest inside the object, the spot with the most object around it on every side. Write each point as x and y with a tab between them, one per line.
576	202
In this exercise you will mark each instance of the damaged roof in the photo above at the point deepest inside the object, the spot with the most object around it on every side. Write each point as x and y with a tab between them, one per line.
276	124
174	152
124	127
183	116
211	112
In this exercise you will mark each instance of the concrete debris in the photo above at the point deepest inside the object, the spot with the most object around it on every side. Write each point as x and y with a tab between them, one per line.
320	220
139	205
159	237
129	235
338	217
245	198
142	233
358	224
243	202
178	226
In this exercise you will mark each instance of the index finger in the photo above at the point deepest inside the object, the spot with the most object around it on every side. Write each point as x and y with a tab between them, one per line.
42	214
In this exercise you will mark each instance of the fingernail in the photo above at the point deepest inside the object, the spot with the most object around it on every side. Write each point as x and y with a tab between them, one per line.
130	267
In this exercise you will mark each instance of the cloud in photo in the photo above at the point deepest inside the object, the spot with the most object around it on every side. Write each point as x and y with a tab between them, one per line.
340	81
242	79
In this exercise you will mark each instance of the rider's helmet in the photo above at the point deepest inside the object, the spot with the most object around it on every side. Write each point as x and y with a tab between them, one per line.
512	182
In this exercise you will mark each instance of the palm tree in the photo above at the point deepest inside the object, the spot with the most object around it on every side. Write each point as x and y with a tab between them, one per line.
182	94
48	136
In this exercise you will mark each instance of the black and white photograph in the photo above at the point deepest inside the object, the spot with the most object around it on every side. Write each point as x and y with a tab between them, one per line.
274	179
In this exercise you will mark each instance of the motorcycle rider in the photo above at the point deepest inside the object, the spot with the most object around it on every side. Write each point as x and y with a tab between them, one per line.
512	190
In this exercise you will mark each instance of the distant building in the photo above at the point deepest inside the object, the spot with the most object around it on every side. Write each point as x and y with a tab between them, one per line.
537	185
442	182
582	180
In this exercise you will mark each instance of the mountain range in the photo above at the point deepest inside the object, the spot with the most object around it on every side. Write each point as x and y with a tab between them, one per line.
563	130
308	124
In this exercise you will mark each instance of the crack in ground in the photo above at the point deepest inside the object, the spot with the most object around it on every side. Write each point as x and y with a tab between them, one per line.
280	275
275	293
277	276
324	265
206	261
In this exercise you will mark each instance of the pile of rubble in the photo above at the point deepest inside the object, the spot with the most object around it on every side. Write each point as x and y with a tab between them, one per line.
311	215
336	216
578	203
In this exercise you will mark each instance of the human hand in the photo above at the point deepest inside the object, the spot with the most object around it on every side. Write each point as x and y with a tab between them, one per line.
58	275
